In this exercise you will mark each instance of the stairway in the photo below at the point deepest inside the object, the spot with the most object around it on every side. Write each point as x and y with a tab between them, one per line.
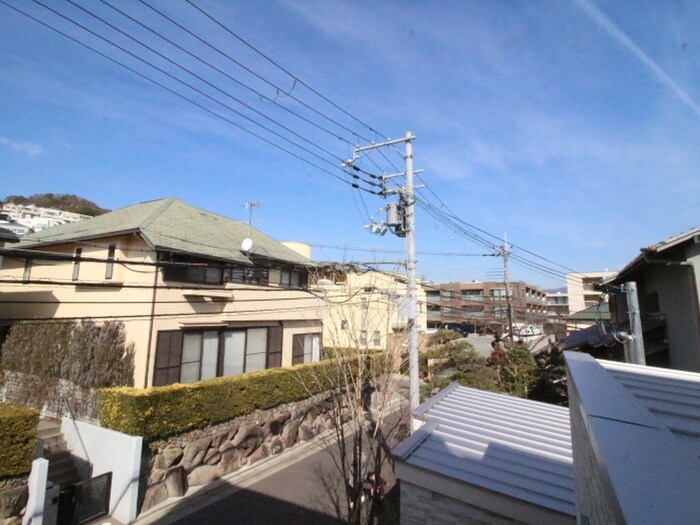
62	468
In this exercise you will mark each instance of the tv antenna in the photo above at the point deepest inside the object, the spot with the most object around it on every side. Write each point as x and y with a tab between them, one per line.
247	243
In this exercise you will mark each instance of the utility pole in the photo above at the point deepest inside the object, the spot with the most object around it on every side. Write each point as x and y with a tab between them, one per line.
407	229
505	251
634	342
409	201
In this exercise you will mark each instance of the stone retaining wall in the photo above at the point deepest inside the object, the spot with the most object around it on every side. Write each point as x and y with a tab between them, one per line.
201	456
13	498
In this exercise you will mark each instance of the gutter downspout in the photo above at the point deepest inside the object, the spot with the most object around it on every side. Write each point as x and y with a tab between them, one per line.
150	327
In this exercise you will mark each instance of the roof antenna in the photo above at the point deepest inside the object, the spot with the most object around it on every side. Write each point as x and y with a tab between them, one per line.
247	243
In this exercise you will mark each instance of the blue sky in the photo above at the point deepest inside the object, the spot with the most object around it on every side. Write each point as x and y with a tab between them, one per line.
572	126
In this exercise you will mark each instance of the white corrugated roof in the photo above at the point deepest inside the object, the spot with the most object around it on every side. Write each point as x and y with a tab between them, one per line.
511	446
671	395
643	424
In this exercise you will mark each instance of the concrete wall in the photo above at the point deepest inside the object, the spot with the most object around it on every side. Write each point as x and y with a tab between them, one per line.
675	287
420	506
109	451
595	494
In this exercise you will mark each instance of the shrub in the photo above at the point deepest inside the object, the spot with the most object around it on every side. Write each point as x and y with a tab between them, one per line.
84	354
159	412
17	439
550	378
443	336
514	368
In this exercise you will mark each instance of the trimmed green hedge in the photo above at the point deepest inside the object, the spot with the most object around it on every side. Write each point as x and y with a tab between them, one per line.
159	412
17	439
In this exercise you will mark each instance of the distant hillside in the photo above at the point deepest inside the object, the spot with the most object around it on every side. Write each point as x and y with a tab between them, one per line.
60	201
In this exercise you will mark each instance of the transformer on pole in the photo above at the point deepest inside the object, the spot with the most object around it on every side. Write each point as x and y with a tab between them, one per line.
401	221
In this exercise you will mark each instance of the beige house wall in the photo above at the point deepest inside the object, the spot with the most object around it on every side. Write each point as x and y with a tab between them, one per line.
579	289
137	295
372	302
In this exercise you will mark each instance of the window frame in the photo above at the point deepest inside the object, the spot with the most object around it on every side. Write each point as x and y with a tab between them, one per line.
184	269
27	273
363	338
170	351
109	268
304	346
293	278
77	254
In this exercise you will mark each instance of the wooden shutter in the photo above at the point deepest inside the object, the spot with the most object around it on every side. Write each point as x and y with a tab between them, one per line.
274	346
168	358
298	349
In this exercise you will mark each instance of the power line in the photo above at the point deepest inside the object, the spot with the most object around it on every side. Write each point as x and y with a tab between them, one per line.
214	48
450	218
226	93
499	239
459	226
197	90
256	75
385	250
296	78
184	97
299	81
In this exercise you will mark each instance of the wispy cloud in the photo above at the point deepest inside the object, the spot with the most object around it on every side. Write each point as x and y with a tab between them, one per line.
27	148
614	31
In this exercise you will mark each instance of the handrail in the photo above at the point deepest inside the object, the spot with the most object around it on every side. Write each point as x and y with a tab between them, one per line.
77	431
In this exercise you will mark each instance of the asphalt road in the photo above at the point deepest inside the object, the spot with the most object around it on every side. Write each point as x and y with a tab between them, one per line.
296	495
307	491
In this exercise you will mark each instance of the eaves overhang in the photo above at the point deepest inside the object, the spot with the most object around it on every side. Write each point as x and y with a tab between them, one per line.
29	244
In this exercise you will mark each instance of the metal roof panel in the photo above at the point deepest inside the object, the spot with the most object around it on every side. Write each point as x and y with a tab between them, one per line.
516	447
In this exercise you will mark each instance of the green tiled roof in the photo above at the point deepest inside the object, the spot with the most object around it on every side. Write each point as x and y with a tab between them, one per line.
171	225
592	313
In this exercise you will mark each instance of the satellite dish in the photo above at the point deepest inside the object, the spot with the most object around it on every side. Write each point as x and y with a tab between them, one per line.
247	244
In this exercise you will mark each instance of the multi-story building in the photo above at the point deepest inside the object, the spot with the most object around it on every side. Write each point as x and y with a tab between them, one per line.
581	289
478	306
365	307
200	295
557	305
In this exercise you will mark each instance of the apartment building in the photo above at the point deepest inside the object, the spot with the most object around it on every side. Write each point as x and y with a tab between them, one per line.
557	305
580	289
479	306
